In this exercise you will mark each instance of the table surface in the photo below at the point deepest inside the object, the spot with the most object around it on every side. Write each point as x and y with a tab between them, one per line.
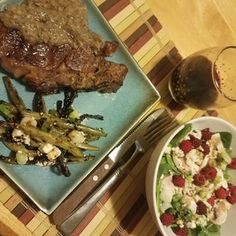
159	29
194	25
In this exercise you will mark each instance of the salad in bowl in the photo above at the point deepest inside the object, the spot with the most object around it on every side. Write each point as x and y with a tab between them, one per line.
190	184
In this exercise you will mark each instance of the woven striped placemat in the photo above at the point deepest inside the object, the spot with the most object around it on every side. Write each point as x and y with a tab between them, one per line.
123	210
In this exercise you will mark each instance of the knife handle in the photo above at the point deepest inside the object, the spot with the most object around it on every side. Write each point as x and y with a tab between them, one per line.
82	191
70	224
82	210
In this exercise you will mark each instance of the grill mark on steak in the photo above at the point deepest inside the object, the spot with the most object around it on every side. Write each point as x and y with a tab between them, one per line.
49	68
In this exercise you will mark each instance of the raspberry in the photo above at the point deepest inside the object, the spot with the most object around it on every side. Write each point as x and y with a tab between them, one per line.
167	219
206	148
231	199
209	172
199	179
186	146
221	193
206	134
211	200
180	231
232	189
232	164
201	208
178	180
195	141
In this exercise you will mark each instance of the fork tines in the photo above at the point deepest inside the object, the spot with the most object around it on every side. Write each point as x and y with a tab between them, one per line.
161	126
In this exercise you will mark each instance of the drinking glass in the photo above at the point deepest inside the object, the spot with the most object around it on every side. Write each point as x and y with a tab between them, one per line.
206	79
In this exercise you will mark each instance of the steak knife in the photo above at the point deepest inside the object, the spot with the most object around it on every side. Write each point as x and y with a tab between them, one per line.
96	177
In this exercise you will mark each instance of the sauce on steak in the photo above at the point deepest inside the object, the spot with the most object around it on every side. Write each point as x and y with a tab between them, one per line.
48	44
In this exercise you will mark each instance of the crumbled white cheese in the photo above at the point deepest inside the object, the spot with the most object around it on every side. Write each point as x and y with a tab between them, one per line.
77	137
31	158
46	148
167	190
201	220
179	159
27	120
180	222
216	141
19	136
51	151
221	181
168	150
217	147
191	225
178	152
194	159
54	153
189	203
39	163
189	189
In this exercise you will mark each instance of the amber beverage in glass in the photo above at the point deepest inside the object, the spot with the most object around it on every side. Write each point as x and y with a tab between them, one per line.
206	79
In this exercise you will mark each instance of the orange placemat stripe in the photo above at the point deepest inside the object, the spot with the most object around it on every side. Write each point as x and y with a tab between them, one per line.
113	7
26	217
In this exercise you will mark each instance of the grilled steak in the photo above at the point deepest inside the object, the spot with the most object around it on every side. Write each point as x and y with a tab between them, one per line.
49	46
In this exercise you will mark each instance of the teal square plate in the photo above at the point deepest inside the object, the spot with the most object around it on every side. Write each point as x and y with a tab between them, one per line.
121	112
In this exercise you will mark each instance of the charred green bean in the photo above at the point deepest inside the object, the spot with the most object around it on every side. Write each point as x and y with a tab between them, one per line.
13	95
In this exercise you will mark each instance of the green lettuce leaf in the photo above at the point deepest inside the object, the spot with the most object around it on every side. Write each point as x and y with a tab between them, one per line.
226	139
179	136
210	230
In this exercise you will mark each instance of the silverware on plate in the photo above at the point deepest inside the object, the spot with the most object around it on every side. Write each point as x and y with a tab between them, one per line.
155	126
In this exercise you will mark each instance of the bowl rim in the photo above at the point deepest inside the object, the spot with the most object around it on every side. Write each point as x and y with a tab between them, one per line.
170	137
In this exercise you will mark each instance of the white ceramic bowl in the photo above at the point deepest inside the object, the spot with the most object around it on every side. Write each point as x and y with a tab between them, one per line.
215	124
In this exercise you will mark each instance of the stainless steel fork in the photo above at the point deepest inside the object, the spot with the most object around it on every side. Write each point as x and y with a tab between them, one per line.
154	127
